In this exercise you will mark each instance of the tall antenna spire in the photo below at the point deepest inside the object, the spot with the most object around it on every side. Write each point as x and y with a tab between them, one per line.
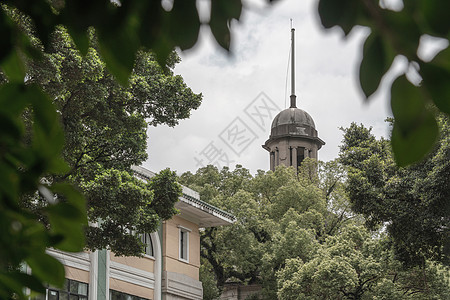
293	97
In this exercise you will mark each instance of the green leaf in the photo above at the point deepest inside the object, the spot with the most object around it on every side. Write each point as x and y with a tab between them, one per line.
442	59
48	138
72	195
405	32
45	112
9	182
184	23
339	13
67	222
232	9
13	99
29	281
119	59
435	14
80	38
11	129
79	15
68	219
222	12
58	166
10	284
119	44
152	26
436	81
330	12
6	41
65	212
47	268
406	102
375	63
44	18
411	146
14	67
415	129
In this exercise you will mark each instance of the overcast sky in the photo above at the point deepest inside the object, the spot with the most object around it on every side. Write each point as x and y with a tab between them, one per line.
243	92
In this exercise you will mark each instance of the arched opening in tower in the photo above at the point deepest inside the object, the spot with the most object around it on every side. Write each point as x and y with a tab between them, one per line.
300	156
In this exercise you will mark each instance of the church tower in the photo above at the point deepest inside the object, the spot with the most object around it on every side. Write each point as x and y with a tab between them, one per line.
293	136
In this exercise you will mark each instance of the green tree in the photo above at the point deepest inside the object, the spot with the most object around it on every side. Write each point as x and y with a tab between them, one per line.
99	127
209	284
125	27
225	189
105	129
296	236
280	215
356	265
411	202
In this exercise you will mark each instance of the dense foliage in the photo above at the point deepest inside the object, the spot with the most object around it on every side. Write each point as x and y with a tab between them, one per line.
271	224
412	202
105	129
356	265
123	28
297	238
86	131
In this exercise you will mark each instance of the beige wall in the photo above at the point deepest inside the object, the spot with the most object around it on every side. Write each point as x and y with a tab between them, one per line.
177	266
142	263
171	247
77	274
129	288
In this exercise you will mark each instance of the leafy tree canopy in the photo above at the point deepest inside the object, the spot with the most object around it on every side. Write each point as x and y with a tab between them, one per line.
105	128
355	265
103	134
268	223
411	202
296	237
123	28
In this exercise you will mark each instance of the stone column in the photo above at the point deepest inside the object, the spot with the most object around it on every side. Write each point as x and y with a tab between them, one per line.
277	158
294	158
272	161
288	156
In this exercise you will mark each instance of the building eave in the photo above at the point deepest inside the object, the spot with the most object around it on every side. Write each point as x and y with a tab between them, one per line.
191	207
315	139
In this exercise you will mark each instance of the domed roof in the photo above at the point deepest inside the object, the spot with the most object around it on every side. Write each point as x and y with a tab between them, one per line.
293	122
293	116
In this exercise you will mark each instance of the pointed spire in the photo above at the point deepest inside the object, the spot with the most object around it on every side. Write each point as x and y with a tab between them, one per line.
293	97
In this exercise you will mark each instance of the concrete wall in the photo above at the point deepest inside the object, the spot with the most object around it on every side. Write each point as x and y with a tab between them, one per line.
143	263
76	274
137	275
171	248
129	288
132	275
282	153
177	286
180	279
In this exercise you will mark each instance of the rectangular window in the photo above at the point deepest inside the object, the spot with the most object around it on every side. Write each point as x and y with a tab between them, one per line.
116	295
300	156
72	290
146	239
184	244
290	156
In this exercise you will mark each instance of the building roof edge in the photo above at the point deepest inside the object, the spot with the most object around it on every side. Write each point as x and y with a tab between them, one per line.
190	197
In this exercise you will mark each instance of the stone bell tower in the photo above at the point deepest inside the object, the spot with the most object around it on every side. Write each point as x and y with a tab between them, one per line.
293	136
